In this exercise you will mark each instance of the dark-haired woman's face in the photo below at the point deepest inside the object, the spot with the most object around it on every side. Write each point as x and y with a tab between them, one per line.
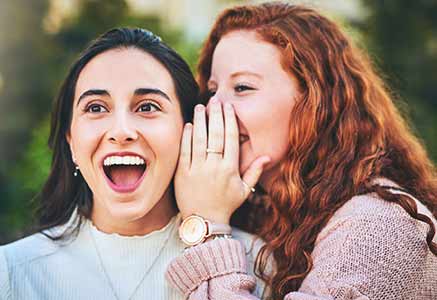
125	134
247	72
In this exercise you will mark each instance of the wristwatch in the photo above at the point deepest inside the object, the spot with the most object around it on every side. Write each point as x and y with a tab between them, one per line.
195	229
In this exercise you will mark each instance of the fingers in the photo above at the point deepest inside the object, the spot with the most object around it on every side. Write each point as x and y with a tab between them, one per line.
199	135
215	130
253	173
232	146
185	153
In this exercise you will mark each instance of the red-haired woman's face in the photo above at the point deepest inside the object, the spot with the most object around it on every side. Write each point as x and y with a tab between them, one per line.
247	72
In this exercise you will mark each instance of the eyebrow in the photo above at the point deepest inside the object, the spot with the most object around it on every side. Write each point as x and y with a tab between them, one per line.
241	73
92	93
138	92
148	91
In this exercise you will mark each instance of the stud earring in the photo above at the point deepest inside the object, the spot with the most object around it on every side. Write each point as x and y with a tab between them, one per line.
75	173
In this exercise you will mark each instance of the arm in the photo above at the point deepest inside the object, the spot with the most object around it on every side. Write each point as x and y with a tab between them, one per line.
379	256
213	270
217	270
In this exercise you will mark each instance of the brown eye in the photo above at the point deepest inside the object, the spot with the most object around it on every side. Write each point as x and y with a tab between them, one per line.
149	107
96	108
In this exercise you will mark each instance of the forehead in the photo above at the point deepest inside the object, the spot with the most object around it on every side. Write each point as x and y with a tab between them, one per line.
244	49
124	69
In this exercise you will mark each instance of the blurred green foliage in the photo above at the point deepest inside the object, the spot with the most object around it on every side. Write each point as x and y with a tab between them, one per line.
400	35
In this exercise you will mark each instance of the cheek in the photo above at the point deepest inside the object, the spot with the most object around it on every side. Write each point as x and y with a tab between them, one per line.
268	124
85	137
279	141
257	118
276	138
164	139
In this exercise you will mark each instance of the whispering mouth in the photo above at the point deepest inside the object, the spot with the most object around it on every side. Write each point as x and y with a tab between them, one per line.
124	171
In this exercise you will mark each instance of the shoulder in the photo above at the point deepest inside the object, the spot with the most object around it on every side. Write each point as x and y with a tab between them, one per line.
39	245
18	255
368	213
374	247
370	242
27	249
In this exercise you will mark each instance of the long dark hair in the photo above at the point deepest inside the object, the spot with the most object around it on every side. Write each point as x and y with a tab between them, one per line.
63	192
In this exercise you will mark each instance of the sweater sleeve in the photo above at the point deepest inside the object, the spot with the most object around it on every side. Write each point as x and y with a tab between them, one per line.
5	289
213	270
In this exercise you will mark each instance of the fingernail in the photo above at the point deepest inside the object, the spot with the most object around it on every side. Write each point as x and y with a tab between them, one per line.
200	107
228	106
213	101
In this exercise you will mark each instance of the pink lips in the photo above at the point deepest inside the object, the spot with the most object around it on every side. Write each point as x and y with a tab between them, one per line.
125	188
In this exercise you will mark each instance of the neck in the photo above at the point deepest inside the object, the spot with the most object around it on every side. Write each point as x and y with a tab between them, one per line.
155	219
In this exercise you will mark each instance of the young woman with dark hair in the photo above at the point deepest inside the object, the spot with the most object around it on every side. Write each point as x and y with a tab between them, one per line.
347	199
108	216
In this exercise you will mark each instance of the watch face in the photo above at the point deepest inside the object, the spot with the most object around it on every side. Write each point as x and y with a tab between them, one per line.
193	230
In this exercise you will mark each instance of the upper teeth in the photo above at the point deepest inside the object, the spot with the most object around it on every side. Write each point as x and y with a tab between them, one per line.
123	160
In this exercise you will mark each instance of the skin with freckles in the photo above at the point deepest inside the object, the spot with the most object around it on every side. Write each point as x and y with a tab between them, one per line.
127	103
261	92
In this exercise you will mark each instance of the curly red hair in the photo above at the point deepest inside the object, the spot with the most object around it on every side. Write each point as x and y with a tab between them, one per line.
346	132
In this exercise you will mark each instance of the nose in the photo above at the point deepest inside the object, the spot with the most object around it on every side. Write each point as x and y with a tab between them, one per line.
122	130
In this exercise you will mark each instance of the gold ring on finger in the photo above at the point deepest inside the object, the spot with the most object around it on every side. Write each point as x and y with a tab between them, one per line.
209	150
252	189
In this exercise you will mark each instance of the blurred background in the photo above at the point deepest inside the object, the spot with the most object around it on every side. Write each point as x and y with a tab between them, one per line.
40	38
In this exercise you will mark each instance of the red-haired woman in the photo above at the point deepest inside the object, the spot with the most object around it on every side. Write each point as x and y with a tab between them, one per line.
347	197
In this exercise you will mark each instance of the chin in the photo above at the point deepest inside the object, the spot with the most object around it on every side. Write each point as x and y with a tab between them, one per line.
129	211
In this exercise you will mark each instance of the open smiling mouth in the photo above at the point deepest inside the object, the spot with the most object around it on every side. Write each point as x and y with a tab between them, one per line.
124	173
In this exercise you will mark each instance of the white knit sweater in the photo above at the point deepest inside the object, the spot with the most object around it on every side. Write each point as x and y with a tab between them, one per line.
38	268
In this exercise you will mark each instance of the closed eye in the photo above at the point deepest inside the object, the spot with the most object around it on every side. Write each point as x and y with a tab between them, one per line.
242	87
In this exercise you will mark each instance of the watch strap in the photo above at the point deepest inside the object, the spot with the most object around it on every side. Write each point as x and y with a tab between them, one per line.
214	228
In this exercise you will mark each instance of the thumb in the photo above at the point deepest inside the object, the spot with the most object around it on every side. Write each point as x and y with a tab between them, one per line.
252	174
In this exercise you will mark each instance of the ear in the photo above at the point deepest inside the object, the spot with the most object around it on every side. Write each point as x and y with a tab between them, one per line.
68	138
